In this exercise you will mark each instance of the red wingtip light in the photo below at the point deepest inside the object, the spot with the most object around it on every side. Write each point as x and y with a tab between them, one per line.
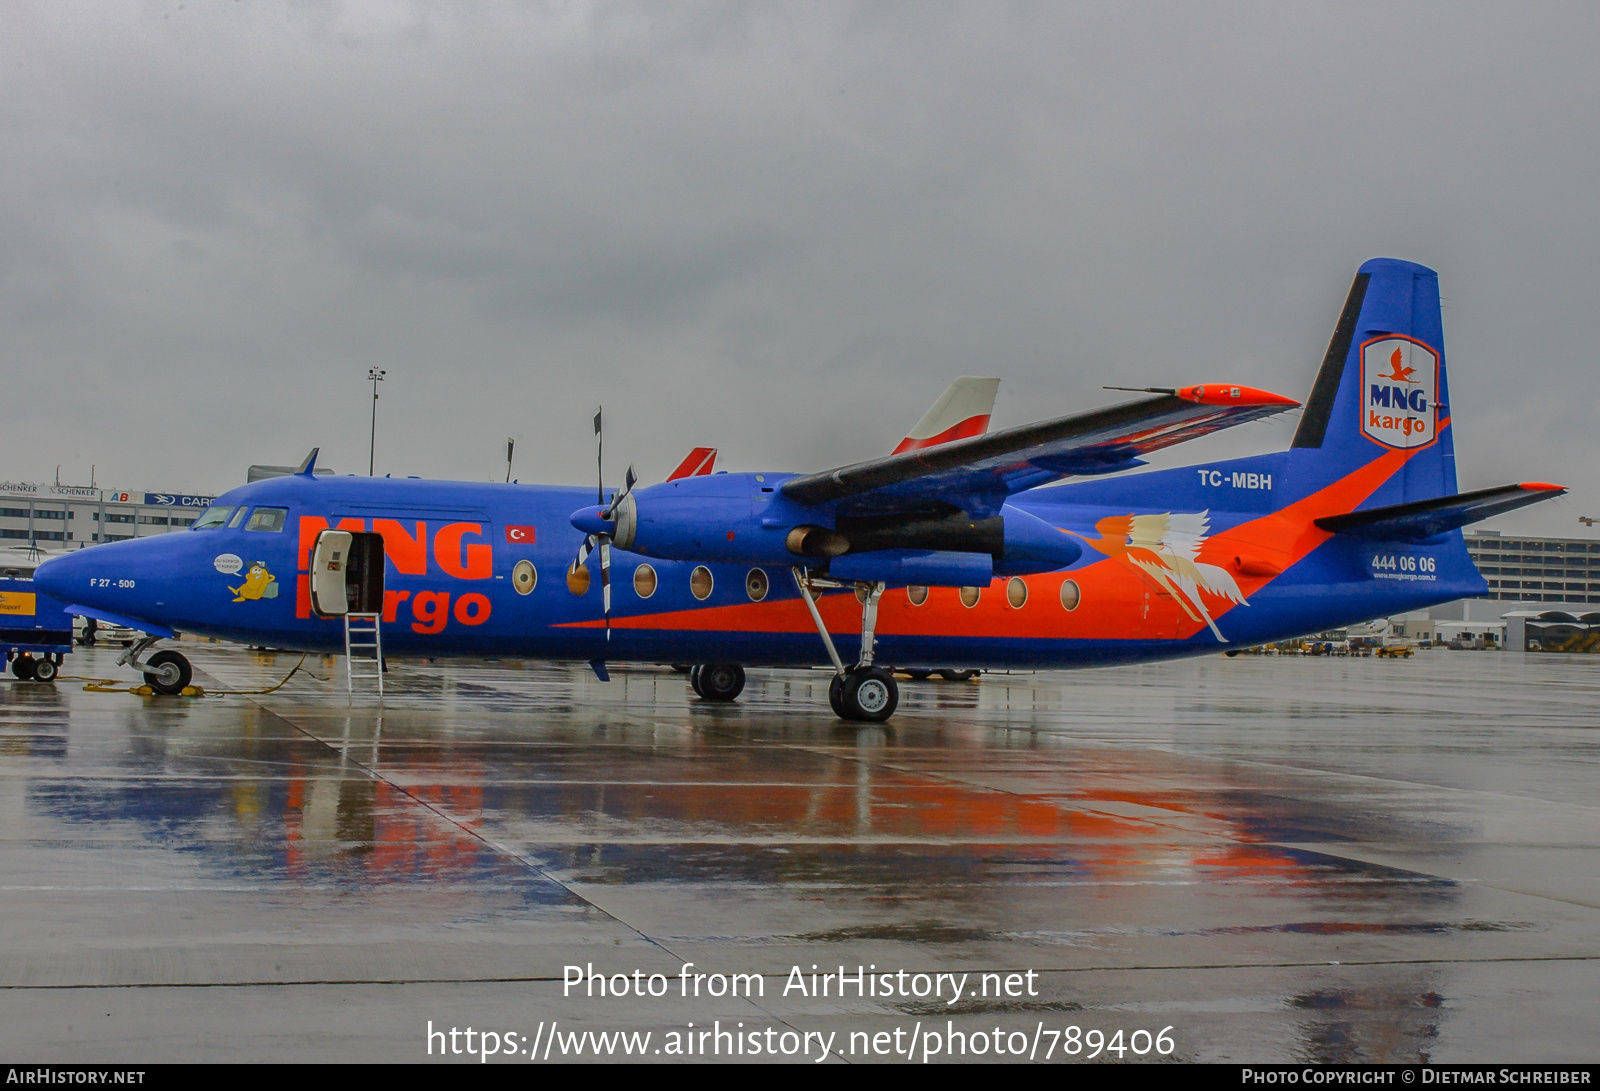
1228	394
1542	486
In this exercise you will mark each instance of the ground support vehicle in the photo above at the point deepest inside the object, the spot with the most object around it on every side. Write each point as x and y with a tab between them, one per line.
35	631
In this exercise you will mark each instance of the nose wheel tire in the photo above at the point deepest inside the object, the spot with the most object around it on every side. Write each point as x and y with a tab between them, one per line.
866	695
168	672
23	667
44	670
718	682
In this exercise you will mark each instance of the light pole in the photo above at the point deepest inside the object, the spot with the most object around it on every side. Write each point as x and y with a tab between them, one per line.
376	375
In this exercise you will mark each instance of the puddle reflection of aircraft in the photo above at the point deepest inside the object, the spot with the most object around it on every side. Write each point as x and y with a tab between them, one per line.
948	552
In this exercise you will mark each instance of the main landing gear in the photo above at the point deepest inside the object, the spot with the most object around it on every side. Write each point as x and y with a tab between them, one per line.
863	693
717	682
167	672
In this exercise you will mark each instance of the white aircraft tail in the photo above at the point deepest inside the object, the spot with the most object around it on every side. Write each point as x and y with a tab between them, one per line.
962	410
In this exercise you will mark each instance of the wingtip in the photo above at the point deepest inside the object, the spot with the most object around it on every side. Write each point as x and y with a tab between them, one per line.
1232	394
1542	486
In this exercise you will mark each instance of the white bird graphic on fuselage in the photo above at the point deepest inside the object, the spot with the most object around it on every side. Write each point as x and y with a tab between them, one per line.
1166	548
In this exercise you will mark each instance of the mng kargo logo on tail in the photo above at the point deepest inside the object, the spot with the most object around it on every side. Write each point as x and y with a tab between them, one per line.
1399	387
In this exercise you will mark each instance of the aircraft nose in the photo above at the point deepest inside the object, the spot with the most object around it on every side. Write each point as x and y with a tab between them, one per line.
59	577
132	579
591	520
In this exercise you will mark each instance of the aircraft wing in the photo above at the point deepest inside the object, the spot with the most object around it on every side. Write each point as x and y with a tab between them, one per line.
978	473
1425	518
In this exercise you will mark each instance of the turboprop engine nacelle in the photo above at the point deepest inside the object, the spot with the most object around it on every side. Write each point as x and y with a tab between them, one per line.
737	518
746	519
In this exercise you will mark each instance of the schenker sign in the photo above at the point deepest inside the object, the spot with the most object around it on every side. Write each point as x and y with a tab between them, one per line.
112	496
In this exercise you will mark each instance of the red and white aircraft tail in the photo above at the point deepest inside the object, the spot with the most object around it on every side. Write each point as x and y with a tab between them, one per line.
697	463
962	410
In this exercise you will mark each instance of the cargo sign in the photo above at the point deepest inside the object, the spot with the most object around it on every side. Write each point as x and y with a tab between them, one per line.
175	500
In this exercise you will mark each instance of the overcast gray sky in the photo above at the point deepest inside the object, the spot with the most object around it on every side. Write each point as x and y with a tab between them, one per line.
778	229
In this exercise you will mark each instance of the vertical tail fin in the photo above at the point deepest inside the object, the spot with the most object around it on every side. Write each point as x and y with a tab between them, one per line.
697	463
1382	388
962	410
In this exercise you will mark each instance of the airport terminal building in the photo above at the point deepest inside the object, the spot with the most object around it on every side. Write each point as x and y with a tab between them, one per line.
39	520
1523	569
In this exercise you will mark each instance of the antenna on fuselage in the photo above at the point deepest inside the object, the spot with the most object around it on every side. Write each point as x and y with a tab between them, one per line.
308	468
510	443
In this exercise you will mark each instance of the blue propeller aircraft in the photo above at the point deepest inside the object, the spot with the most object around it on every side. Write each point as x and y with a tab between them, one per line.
962	548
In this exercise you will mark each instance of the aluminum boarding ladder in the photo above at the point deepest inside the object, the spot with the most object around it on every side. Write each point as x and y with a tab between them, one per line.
363	645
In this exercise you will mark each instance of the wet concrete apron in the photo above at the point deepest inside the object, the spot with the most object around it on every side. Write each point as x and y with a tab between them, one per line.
1280	859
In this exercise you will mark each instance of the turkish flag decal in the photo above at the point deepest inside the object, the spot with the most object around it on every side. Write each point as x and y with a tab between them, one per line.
523	535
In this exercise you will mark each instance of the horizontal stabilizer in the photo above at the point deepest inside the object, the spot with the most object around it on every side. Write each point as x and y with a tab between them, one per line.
1426	518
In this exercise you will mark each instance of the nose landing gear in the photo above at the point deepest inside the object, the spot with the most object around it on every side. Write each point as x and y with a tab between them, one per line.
167	672
862	693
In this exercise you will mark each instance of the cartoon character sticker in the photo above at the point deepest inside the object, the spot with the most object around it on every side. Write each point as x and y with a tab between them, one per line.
258	584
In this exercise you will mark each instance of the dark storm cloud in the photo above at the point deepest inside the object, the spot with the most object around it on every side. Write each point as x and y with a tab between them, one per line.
779	229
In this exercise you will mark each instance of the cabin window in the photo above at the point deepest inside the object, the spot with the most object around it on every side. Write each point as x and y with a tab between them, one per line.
700	582
756	585
1070	595
969	596
214	517
271	520
578	579
917	594
524	577
644	581
1016	592
238	517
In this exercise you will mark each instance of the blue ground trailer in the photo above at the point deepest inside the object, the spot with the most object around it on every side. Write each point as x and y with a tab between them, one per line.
35	631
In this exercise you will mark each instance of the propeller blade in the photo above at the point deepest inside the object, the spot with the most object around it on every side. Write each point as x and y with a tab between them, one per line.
605	582
599	458
584	549
627	487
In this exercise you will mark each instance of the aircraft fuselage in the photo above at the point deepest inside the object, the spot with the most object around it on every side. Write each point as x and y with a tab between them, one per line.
451	548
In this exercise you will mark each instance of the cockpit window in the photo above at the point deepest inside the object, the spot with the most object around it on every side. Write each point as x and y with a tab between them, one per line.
214	517
238	517
268	519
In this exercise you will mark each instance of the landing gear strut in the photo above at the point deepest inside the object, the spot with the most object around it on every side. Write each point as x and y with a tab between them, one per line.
167	672
863	693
